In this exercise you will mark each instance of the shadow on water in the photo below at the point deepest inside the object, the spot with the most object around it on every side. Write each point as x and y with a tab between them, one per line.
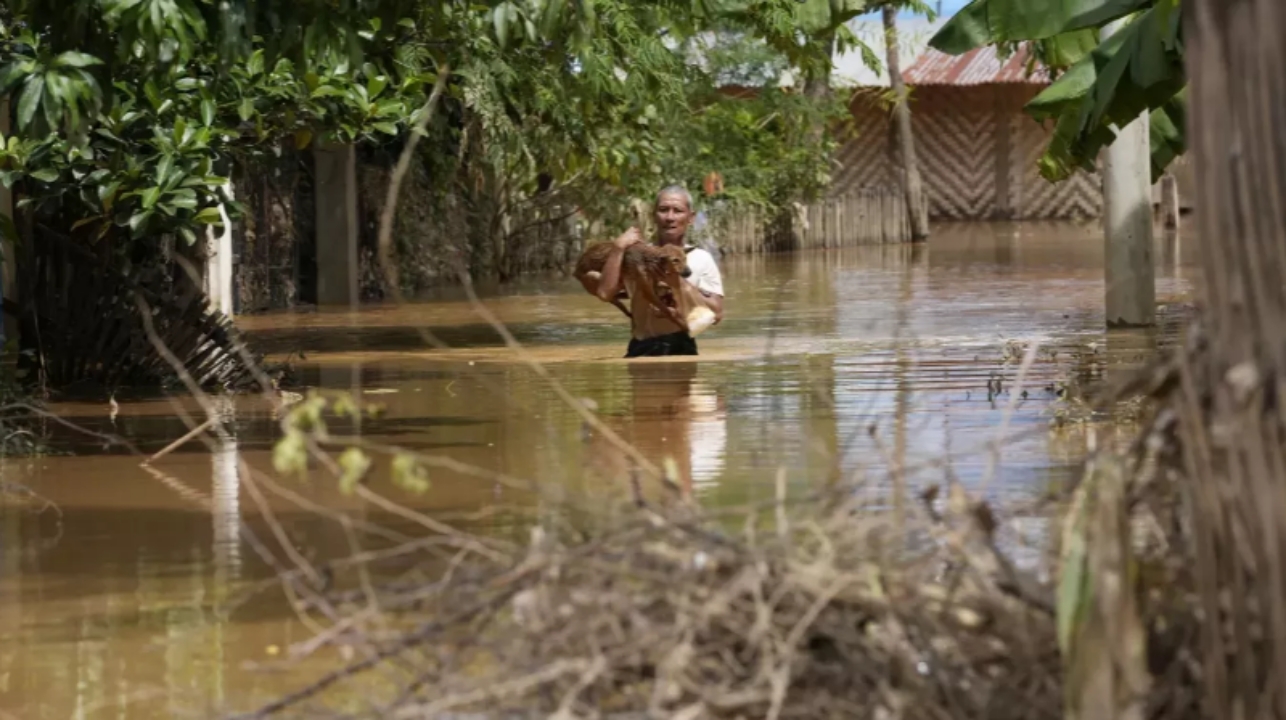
830	367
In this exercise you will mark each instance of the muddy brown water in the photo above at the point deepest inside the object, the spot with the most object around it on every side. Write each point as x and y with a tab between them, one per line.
131	599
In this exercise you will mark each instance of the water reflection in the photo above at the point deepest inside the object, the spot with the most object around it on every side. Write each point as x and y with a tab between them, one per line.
671	416
830	366
226	505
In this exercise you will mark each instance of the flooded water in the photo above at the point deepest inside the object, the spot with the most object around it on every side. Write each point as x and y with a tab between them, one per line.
132	597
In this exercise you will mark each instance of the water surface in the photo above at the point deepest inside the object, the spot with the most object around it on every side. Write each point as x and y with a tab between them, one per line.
131	599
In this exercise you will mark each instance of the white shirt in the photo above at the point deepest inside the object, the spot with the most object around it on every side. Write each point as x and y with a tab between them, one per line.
705	271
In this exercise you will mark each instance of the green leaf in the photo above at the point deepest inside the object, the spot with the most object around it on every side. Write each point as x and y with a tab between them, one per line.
551	16
385	127
246	109
1136	70
254	66
821	17
138	221
82	223
986	22
107	194
153	93
188	235
500	21
163	169
29	101
328	91
73	59
45	175
290	454
1168	132
409	474
12	74
209	216
150	196
354	463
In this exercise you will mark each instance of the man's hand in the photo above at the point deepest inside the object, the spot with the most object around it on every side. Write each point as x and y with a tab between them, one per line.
628	238
668	313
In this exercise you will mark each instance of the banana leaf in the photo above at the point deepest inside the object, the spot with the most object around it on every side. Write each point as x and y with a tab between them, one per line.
987	22
1138	69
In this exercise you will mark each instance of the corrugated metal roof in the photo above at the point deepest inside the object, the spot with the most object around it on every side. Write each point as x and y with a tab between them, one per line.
981	66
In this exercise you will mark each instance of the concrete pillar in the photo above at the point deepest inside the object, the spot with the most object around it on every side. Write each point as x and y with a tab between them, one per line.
336	194
1127	217
218	263
1169	201
9	257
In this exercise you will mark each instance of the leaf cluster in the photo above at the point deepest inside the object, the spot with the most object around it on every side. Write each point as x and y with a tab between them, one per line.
1101	82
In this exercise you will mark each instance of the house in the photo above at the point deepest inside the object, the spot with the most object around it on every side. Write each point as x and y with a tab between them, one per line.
976	148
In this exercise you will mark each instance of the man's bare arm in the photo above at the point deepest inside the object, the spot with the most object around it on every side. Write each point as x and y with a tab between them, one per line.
610	284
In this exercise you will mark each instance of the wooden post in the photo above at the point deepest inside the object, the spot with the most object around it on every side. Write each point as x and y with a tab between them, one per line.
8	253
1127	216
906	140
336	192
1169	201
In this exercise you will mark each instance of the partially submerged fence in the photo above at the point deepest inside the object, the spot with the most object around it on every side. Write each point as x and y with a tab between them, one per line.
867	216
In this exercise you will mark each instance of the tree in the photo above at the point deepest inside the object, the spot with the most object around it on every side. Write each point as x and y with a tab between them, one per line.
917	208
131	112
1226	396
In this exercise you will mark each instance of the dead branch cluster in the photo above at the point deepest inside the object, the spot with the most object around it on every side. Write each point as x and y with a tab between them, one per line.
825	614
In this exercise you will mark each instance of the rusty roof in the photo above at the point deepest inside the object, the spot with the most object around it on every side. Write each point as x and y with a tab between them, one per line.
980	66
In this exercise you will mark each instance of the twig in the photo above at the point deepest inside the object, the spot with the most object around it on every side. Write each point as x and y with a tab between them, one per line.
496	691
107	438
385	247
177	443
427	522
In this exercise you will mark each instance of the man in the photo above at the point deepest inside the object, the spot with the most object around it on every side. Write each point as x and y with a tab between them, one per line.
655	332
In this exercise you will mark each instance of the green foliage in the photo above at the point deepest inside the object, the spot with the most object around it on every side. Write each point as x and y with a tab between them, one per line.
143	150
131	114
305	432
1138	69
986	22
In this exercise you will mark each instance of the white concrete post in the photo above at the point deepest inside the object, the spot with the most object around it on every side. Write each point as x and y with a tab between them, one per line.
336	194
1127	218
218	260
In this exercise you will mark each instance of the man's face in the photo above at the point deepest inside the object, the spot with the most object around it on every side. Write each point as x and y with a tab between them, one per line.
673	216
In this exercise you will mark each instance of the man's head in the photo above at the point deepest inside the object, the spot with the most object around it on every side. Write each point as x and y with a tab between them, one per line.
673	213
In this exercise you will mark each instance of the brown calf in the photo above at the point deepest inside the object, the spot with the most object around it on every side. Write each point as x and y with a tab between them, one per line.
646	266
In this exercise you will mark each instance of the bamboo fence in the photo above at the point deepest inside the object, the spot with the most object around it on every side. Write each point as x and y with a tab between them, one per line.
867	216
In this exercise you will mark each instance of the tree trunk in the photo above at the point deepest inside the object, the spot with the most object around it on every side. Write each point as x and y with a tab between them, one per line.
916	206
1232	426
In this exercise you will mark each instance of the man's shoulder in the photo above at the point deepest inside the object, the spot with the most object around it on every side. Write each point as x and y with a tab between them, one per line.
701	256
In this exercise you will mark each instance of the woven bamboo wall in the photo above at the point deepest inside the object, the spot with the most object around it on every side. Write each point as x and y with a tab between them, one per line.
961	134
